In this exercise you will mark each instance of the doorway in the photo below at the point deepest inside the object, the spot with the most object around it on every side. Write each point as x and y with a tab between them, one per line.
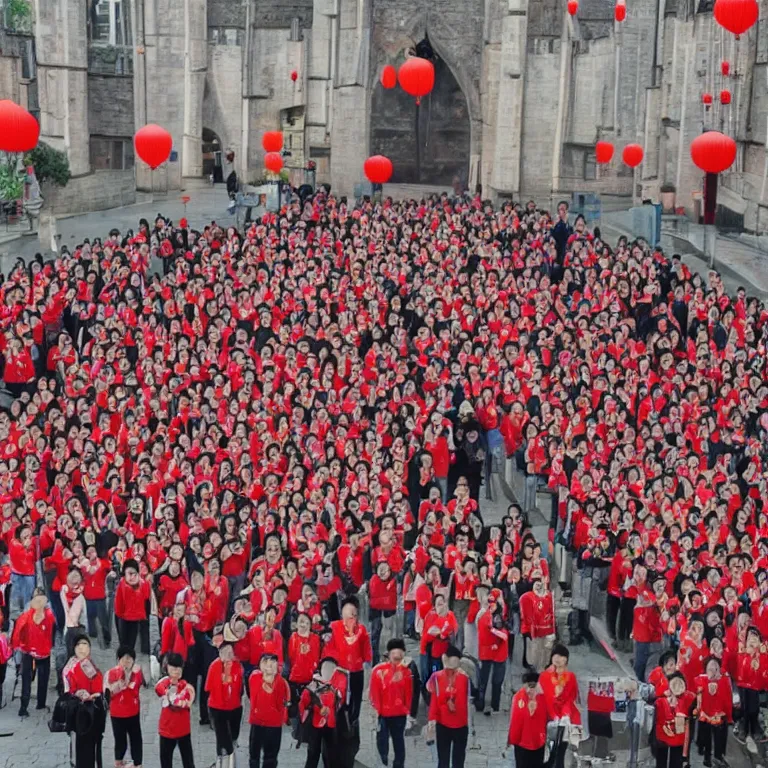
212	157
428	143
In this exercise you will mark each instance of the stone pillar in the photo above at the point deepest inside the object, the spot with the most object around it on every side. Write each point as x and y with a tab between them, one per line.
195	69
349	118
511	91
62	75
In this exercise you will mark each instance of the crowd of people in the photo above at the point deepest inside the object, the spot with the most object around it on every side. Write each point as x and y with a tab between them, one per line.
294	423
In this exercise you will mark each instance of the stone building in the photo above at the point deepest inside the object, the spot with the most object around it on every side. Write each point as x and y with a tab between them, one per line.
523	91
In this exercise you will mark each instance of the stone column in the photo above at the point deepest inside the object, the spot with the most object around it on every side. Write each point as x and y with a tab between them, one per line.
195	69
62	74
511	91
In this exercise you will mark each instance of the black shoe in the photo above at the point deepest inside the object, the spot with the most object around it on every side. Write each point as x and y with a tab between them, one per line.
707	763
43	706
204	721
23	712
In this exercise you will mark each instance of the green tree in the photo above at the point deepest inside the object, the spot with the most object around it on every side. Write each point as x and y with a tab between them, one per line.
50	164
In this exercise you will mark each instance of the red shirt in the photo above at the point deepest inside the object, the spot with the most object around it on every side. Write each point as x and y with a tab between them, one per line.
330	696
449	698
95	584
173	640
537	614
561	692
33	638
131	602
441	456
448	627
23	559
125	703
391	689
491	647
350	649
175	720
382	595
261	644
528	729
269	704
715	699
225	687
667	719
83	676
303	655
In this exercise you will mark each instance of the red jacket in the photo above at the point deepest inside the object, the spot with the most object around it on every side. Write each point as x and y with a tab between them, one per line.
269	704
260	645
751	671
351	650
95	584
130	602
448	627
561	692
32	638
449	698
125	703
715	699
173	640
669	717
225	688
303	656
22	559
528	729
691	661
391	689
537	614
175	720
330	696
76	678
491	647
646	624
382	595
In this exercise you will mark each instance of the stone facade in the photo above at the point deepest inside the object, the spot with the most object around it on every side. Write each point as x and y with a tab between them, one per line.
523	92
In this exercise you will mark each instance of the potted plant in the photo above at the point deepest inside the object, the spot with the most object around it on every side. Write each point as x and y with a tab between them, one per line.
11	190
668	192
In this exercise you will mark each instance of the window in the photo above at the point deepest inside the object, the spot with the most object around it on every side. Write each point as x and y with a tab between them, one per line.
590	166
28	62
225	36
109	22
108	154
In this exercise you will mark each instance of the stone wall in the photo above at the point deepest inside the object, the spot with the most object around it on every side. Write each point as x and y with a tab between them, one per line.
110	106
94	192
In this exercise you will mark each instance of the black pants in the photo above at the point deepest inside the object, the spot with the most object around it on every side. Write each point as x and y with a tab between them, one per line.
185	749
393	727
356	681
128	729
128	632
493	670
529	758
97	610
626	617
321	741
612	608
202	656
264	746
708	734
226	726
448	738
43	668
88	749
750	711
668	757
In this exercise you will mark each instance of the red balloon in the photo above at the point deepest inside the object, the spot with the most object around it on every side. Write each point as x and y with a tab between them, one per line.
713	152
620	12
603	152
573	7
725	97
706	98
19	131
273	161
294	75
632	155
389	77
378	169
153	145
272	141
725	68
417	77
736	16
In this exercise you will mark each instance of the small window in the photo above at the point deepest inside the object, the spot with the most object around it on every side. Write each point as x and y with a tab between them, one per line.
590	166
111	154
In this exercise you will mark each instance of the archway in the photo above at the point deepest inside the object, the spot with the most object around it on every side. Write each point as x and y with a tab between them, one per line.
213	162
428	144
